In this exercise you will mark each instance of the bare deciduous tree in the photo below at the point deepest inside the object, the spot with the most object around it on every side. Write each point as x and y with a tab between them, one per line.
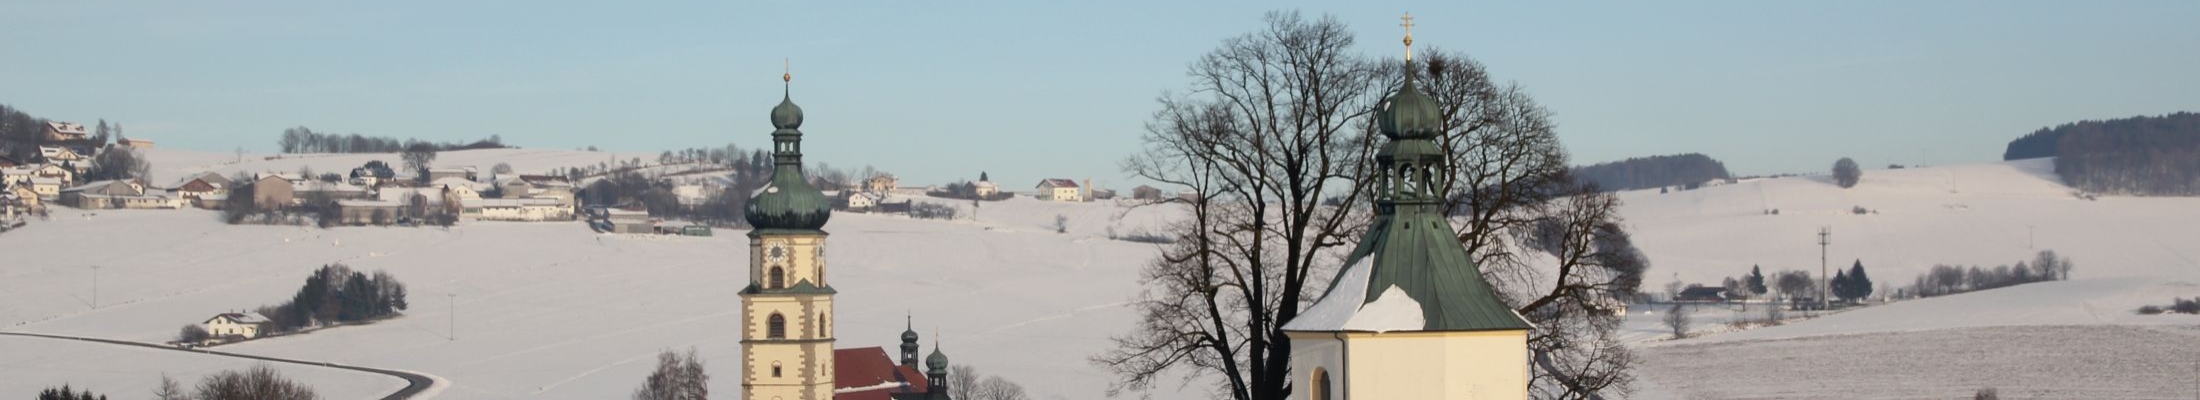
1273	130
257	383
679	376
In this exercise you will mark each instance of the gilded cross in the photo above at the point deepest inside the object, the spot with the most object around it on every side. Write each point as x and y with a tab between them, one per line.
1408	24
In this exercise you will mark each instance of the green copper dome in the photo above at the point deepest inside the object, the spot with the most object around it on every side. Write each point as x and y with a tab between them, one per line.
787	115
1409	114
937	361
788	202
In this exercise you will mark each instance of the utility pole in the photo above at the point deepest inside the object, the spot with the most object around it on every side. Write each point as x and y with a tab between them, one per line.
2031	238
95	287
454	316
1825	237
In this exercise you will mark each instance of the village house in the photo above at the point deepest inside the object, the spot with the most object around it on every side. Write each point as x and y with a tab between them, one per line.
368	212
61	154
48	170
526	210
548	187
860	201
1143	192
451	172
25	197
135	143
629	221
116	194
1103	194
1059	190
64	131
272	191
985	188
205	190
236	324
883	183
329	190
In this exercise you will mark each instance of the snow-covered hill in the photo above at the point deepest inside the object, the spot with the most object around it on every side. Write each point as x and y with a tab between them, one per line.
553	310
1980	214
2063	339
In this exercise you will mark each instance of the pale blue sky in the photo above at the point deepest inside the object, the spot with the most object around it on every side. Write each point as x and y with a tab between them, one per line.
938	91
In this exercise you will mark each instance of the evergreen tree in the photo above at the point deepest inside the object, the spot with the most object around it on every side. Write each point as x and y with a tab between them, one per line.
1860	285
1840	284
1756	280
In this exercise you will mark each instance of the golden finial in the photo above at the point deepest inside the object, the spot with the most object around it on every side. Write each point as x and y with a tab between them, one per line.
787	64
1408	18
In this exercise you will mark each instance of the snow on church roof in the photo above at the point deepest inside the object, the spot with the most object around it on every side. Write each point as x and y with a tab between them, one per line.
1394	311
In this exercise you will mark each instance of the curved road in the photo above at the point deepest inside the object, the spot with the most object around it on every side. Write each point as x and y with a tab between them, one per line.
414	383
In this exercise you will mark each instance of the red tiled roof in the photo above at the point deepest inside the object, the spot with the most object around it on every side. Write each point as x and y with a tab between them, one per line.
870	367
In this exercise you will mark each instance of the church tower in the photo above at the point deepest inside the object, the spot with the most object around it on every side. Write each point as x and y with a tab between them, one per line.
787	308
1409	317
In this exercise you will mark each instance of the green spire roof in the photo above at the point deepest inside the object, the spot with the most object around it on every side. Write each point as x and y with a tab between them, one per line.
788	202
937	362
1409	273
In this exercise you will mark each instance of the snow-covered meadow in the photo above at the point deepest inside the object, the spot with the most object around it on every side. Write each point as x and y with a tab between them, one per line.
552	310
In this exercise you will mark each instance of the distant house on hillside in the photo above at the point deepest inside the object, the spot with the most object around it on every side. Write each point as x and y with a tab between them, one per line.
451	172
1143	192
629	221
1103	194
244	325
1701	294
62	131
272	192
135	143
1059	190
526	210
61	154
330	190
368	212
116	194
205	190
985	188
883	183
860	201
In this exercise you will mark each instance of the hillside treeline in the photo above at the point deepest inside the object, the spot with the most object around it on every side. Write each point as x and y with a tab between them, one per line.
305	140
22	133
2139	155
1655	171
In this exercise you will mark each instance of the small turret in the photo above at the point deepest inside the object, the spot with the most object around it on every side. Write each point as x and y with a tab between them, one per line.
909	346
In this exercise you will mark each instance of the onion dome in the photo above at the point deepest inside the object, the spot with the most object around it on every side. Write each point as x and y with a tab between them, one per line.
1409	113
909	336
937	362
787	115
788	202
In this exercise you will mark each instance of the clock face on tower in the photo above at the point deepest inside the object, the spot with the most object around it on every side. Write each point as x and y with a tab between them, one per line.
776	251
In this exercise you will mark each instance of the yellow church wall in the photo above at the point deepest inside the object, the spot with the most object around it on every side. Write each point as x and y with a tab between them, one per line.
1414	365
805	354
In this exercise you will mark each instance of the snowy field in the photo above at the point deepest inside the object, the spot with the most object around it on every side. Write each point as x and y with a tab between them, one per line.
28	365
552	310
2065	339
2019	362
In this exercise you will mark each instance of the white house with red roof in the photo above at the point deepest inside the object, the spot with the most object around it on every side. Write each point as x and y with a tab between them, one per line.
1059	190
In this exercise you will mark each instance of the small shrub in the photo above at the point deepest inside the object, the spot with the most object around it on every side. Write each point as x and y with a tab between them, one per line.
192	333
922	210
1061	223
2185	306
1860	210
1986	394
2150	310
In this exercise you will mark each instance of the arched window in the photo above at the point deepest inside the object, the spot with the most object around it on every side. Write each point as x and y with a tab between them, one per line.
1318	389
779	278
777	328
775	369
821	325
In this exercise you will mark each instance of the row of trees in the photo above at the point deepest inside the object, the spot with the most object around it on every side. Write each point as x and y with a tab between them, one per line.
1683	170
2157	156
259	382
2048	142
305	140
1275	133
1952	279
